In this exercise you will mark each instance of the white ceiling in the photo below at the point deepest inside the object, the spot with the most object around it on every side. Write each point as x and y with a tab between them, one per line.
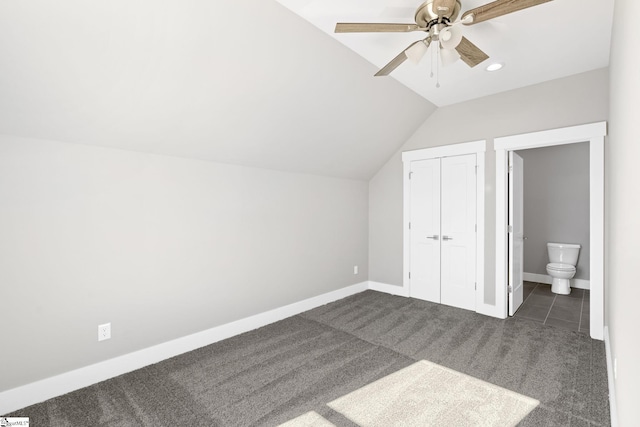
546	42
235	81
250	82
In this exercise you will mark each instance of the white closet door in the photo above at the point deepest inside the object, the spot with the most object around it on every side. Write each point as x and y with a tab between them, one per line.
425	230
458	210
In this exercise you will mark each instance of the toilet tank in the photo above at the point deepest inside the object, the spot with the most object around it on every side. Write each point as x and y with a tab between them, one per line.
564	253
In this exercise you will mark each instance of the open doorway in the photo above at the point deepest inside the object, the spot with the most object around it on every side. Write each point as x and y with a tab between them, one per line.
553	202
593	135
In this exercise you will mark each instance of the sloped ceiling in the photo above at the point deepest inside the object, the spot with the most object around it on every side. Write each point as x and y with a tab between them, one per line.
546	42
236	81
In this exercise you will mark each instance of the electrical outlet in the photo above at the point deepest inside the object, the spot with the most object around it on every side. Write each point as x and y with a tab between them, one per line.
355	269
104	332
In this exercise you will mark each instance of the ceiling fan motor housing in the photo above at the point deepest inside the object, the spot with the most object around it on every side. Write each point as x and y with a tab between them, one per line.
427	17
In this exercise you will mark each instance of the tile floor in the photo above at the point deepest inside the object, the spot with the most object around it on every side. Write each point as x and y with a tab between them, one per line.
563	311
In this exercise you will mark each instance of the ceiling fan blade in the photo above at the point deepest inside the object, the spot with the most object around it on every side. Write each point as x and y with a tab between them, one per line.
342	27
395	62
470	53
497	8
443	7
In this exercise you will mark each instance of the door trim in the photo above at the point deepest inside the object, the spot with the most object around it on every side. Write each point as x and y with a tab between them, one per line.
594	133
478	148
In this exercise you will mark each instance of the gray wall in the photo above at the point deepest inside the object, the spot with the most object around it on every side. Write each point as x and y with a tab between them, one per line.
622	251
556	203
564	102
161	247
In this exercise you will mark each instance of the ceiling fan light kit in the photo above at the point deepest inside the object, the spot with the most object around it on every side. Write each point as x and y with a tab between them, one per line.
416	51
449	56
450	37
437	18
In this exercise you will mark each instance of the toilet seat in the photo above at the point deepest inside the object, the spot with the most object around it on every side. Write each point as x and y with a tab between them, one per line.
557	266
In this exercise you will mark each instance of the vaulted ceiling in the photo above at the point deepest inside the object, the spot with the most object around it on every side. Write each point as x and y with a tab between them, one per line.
247	82
548	41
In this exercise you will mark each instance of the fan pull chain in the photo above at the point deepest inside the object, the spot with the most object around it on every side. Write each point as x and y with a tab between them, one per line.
438	65
432	48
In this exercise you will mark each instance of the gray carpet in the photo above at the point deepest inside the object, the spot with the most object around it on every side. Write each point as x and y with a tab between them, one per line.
281	371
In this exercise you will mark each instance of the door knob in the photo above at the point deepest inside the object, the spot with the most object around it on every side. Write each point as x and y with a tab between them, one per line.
434	237
447	238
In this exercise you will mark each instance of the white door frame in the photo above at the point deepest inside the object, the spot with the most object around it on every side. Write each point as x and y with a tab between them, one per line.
478	148
593	133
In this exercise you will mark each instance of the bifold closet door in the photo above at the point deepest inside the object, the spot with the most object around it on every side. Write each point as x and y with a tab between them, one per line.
442	221
425	229
458	227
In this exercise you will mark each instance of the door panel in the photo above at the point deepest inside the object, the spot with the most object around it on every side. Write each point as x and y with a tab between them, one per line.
516	234
425	230
458	247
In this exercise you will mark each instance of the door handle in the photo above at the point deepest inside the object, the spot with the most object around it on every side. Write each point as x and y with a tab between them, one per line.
434	237
447	238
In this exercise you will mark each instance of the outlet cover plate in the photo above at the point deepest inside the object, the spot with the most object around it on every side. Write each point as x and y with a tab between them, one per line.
104	331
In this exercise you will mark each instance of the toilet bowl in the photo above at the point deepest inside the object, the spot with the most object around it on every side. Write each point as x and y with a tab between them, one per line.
561	275
563	258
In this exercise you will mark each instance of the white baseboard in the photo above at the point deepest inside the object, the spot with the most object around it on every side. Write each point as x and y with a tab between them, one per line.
388	289
538	278
544	278
580	284
611	379
39	391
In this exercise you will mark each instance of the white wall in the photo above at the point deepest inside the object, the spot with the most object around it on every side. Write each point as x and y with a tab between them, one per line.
161	247
245	82
565	102
622	210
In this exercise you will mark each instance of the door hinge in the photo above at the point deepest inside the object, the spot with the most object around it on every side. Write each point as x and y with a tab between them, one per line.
409	225
509	228
410	173
476	228
510	288
409	275
475	286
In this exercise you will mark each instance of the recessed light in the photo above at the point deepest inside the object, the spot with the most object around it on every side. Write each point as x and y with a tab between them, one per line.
495	66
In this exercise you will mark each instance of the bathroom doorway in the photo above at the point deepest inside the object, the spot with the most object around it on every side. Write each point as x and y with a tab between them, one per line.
553	194
593	136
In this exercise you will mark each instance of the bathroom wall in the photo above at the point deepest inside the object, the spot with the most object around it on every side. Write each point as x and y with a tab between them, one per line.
556	203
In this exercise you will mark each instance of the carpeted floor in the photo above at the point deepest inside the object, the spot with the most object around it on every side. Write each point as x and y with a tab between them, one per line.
279	372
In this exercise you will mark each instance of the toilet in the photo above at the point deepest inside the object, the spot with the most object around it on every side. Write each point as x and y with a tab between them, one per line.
563	258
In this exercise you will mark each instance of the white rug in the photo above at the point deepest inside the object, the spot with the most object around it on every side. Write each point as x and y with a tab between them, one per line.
427	394
310	419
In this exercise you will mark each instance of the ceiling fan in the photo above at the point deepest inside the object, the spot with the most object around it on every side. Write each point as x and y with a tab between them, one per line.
437	18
